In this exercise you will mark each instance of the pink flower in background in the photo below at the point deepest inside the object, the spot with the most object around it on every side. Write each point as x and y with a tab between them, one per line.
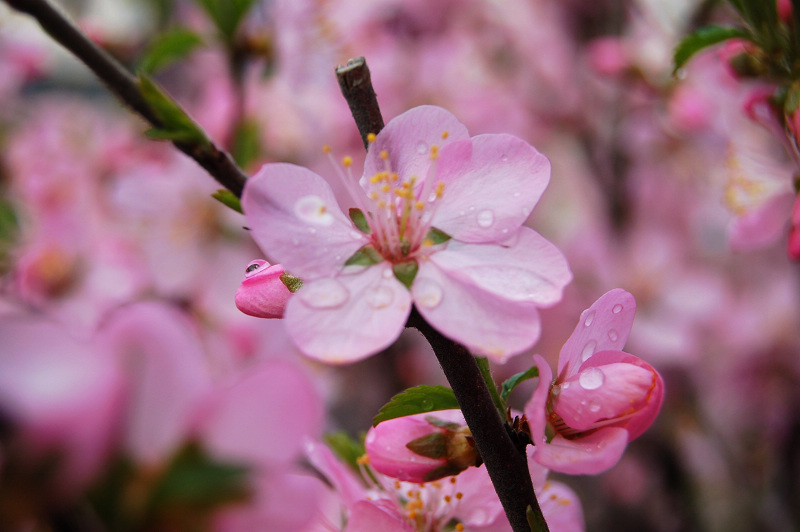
601	399
262	293
439	225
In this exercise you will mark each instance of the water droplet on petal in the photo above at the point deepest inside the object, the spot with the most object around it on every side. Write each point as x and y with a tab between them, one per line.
517	194
594	408
589	319
325	293
387	273
427	293
356	235
613	335
253	266
591	378
426	405
555	390
471	208
312	209
379	297
504	157
617	309
565	386
421	147
588	350
485	218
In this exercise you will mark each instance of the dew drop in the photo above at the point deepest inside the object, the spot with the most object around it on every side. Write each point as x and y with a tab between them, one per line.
617	309
591	378
253	266
517	194
426	405
588	350
589	319
462	213
613	335
312	209
421	147
427	293
504	157
387	273
471	208
565	386
325	293
555	390
485	218
594	408
356	235
379	297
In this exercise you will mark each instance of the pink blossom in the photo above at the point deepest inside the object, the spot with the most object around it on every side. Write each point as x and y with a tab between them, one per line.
439	210
602	397
262	293
793	243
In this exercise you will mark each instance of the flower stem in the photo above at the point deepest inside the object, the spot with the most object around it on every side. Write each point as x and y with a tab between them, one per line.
486	373
125	86
507	468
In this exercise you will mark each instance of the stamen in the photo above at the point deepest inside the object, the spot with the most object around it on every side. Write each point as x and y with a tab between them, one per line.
371	137
445	134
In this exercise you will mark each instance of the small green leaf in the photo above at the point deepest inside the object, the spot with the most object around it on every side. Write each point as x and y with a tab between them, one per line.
246	147
169	47
229	199
360	220
433	445
446	470
226	14
792	99
416	400
513	381
176	124
406	271
437	236
703	38
366	256
347	448
441	423
292	283
535	520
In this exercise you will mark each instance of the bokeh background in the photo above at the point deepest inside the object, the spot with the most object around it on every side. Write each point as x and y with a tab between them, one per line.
653	175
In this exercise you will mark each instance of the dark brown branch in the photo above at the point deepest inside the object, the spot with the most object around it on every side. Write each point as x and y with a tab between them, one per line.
507	467
214	160
356	85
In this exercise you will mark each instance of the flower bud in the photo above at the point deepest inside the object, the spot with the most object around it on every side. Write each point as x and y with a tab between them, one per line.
263	293
423	447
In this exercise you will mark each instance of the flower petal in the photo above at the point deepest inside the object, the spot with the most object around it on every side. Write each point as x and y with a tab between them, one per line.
491	184
485	322
294	218
349	317
587	455
531	270
535	407
408	137
344	481
603	326
369	516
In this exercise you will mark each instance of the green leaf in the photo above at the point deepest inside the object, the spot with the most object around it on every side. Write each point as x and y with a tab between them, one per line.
366	256
441	423
406	271
360	220
9	230
416	400
433	445
176	124
347	448
246	147
169	47
513	381
226	15
292	283
437	236
703	38
229	199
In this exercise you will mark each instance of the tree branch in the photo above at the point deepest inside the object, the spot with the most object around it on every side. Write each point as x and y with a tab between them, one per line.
125	86
356	85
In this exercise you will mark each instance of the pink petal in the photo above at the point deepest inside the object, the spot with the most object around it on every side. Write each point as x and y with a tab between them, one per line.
349	317
586	455
604	392
294	218
264	417
492	183
561	508
535	408
603	326
408	137
340	476
167	376
531	270
369	516
480	506
262	293
761	226
482	321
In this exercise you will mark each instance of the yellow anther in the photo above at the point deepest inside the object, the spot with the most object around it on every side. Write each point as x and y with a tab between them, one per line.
381	204
406	185
385	188
453	480
373	195
401	192
371	137
347	161
447	498
410	494
412	514
384	154
419	205
394	176
434	152
427	242
397	484
459	495
445	134
326	149
377	178
459	527
362	460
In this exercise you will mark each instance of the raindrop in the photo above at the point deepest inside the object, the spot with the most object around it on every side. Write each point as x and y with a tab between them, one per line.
504	157
613	335
427	293
555	390
379	297
589	319
517	194
462	213
356	235
325	293
312	209
432	197
471	208
485	218
588	350
591	378
387	273
421	147
594	408
617	309
252	267
426	405
565	386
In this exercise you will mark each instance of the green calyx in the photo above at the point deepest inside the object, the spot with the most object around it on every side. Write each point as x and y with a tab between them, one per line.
292	283
366	256
406	272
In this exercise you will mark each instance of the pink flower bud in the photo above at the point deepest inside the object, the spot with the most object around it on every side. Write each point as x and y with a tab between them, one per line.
422	447
793	244
785	10
262	293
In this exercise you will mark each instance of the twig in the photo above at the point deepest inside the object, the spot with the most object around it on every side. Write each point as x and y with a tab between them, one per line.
214	160
356	85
